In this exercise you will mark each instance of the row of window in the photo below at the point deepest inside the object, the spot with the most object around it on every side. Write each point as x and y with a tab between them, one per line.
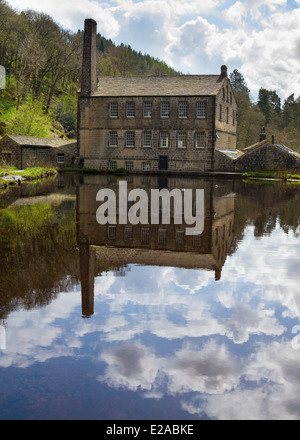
227	115
164	139
201	109
162	236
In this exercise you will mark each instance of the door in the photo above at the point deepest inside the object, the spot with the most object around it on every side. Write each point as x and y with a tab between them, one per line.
163	162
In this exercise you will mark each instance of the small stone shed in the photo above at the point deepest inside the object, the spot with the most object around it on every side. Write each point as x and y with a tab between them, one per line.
26	151
263	156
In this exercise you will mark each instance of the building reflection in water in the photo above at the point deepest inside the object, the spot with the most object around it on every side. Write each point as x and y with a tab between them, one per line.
113	247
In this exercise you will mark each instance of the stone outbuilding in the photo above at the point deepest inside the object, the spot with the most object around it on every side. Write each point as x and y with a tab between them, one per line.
26	151
263	156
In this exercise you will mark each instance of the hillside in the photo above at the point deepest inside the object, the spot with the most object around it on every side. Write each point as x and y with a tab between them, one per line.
43	69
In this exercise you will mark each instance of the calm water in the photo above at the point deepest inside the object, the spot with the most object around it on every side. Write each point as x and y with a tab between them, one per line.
144	322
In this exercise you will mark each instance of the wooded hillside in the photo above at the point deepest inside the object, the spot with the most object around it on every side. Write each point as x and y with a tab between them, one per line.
43	69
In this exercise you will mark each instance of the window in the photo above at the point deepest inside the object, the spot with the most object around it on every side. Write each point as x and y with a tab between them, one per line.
113	110
181	140
129	166
60	158
113	139
128	233
111	233
233	118
197	240
130	110
182	110
220	112
227	115
164	139
112	165
201	109
147	109
162	236
200	139
165	110
179	238
223	94
145	235
145	166
230	98
129	139
147	139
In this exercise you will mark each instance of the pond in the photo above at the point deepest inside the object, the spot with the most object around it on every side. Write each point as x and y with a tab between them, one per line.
145	322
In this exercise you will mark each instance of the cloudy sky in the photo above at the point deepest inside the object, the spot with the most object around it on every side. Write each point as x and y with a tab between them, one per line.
261	38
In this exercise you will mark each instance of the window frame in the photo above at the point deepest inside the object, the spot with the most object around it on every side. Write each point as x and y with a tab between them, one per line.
147	132
130	109
146	112
167	139
165	109
110	134
183	106
201	110
112	165
127	141
127	166
114	105
61	155
199	133
183	135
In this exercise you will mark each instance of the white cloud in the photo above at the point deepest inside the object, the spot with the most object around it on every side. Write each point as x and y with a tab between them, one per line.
261	38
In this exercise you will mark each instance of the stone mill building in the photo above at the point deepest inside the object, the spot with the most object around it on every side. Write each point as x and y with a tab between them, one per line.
176	122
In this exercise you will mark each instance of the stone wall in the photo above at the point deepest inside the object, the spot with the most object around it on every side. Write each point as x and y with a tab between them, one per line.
267	157
226	117
95	125
223	162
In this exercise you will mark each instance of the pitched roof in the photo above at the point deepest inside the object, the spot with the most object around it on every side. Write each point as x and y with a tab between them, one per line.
165	85
30	141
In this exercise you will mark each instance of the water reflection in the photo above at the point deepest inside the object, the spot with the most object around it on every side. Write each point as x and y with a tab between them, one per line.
185	328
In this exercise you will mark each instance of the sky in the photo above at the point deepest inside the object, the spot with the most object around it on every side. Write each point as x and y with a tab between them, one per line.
260	38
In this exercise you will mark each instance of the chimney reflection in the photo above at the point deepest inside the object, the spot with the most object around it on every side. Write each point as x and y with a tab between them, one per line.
113	247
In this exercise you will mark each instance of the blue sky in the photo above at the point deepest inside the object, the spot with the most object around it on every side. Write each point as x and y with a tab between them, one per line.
259	38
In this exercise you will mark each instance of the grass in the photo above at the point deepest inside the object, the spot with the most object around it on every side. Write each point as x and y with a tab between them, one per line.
281	175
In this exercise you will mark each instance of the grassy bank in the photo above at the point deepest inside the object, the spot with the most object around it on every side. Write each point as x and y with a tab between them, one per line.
10	176
279	175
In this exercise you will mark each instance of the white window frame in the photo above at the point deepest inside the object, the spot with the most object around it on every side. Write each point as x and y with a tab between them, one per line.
114	110
165	109
201	110
113	139
200	143
183	110
147	109
130	110
59	157
130	139
164	139
112	165
147	139
129	165
181	139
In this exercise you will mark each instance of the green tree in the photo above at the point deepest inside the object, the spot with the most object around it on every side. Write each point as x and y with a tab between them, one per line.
269	103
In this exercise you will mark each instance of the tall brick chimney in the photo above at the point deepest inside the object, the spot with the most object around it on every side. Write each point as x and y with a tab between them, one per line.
224	71
89	60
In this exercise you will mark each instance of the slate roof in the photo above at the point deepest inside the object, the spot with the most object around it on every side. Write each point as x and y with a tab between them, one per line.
233	154
164	85
36	142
